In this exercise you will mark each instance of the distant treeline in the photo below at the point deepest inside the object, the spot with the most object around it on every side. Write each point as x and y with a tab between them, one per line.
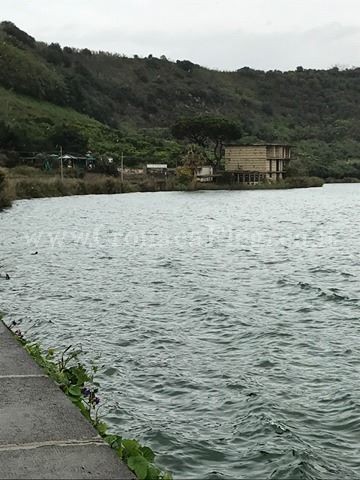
135	100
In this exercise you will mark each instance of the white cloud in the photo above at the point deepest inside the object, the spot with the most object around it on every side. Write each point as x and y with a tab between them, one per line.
225	34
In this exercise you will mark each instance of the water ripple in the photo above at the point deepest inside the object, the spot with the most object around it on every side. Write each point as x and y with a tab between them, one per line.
227	323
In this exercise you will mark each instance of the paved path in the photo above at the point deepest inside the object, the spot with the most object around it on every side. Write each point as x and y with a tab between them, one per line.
42	434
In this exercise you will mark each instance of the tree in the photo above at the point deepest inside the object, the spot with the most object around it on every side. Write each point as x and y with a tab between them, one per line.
194	158
70	138
13	137
4	193
13	31
54	54
86	52
7	137
208	131
186	65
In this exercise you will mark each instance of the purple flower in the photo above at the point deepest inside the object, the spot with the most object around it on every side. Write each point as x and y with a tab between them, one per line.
86	392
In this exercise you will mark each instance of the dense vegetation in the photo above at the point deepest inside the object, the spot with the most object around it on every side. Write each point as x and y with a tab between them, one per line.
5	199
208	131
128	104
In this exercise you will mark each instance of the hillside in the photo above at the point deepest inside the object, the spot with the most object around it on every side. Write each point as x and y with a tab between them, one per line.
31	122
129	103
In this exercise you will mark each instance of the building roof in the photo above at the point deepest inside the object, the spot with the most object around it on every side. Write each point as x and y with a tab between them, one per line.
257	145
156	165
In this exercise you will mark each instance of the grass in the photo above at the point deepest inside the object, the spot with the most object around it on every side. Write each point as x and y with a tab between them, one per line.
27	182
39	117
24	182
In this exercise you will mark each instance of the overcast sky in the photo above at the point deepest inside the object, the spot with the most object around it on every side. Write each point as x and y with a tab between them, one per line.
223	34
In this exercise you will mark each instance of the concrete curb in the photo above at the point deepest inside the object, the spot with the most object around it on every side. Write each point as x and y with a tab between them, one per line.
42	434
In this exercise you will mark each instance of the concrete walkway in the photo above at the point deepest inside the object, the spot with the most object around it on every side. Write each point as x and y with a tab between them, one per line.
42	434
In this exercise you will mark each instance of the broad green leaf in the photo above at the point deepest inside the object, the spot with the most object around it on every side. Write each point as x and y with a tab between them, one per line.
75	391
113	440
50	353
139	465
132	447
153	473
167	476
148	454
102	428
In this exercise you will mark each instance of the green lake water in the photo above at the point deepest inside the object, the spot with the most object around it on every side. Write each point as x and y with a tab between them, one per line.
228	323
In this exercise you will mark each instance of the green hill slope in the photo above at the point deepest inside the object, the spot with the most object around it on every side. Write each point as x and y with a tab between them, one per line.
35	118
34	122
318	111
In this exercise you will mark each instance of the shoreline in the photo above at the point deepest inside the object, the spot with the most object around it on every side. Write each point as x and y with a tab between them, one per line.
26	187
42	433
69	396
30	184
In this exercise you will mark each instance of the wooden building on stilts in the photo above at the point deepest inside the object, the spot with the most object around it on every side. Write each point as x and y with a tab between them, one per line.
251	164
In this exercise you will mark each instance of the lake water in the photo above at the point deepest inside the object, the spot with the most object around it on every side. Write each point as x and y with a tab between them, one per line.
227	322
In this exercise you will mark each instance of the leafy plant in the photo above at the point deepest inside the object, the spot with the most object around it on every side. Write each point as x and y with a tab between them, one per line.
78	384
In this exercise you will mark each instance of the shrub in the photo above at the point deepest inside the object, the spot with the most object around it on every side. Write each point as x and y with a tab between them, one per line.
3	160
184	174
25	171
304	182
5	199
